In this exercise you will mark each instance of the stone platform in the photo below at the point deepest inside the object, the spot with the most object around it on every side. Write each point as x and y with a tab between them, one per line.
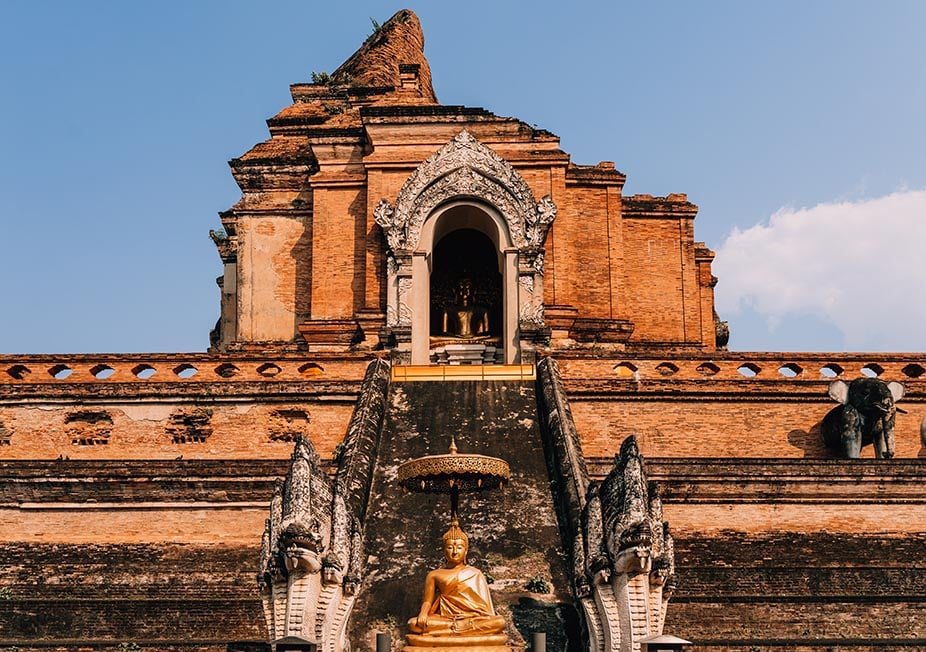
467	354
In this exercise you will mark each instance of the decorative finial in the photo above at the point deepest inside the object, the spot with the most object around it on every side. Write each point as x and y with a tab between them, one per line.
453	445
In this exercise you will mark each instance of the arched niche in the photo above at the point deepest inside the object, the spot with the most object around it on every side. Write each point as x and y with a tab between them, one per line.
452	220
463	185
466	262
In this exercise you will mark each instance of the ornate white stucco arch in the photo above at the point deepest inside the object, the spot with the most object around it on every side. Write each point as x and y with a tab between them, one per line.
463	169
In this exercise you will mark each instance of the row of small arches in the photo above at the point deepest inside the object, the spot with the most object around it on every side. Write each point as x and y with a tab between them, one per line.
624	369
751	370
145	371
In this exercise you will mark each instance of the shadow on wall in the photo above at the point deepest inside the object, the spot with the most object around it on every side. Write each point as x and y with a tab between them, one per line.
811	442
553	618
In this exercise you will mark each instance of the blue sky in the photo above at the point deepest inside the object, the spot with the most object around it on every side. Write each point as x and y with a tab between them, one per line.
798	124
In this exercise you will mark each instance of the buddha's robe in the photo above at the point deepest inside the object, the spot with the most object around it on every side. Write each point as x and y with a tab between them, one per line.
463	604
464	593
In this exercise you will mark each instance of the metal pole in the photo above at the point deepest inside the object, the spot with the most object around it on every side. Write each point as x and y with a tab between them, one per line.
538	642
383	642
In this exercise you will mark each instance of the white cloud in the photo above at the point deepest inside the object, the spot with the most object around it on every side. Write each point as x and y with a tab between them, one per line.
860	266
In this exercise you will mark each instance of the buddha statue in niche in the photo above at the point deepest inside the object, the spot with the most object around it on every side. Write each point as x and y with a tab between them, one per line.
464	320
456	608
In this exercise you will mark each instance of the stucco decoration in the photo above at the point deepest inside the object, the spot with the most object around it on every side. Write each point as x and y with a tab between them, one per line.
630	556
404	315
304	553
464	167
622	557
538	262
539	222
312	554
530	311
384	215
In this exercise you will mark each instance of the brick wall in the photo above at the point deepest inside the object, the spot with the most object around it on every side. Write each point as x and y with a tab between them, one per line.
274	257
779	554
581	276
155	596
719	406
229	408
163	555
104	502
795	554
653	279
800	591
338	252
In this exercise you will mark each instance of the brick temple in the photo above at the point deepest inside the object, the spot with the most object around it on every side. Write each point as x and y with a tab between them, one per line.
398	270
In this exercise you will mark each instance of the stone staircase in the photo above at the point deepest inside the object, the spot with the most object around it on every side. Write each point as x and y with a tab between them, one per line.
514	534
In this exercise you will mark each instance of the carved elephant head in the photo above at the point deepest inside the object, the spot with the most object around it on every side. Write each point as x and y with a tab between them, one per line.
866	416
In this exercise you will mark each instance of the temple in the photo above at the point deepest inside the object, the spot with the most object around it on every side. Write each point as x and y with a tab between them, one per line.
370	202
401	277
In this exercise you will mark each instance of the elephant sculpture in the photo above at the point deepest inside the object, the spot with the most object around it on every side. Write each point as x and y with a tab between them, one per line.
865	417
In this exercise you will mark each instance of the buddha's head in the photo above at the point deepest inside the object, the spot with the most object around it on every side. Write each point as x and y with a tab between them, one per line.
455	544
464	291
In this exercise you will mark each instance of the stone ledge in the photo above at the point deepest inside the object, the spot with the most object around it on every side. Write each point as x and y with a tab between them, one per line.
179	369
149	505
184	482
779	481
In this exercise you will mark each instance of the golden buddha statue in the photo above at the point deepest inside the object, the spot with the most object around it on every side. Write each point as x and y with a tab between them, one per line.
465	319
456	609
465	322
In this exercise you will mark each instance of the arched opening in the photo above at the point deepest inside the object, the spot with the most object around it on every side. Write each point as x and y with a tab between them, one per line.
466	287
464	185
465	281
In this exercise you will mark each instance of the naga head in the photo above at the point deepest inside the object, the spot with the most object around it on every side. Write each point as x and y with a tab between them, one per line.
302	546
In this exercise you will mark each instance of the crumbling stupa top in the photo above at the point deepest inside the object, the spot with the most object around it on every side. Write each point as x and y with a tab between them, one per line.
394	47
389	69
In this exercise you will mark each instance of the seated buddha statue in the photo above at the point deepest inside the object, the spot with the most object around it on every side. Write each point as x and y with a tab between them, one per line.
464	319
456	608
